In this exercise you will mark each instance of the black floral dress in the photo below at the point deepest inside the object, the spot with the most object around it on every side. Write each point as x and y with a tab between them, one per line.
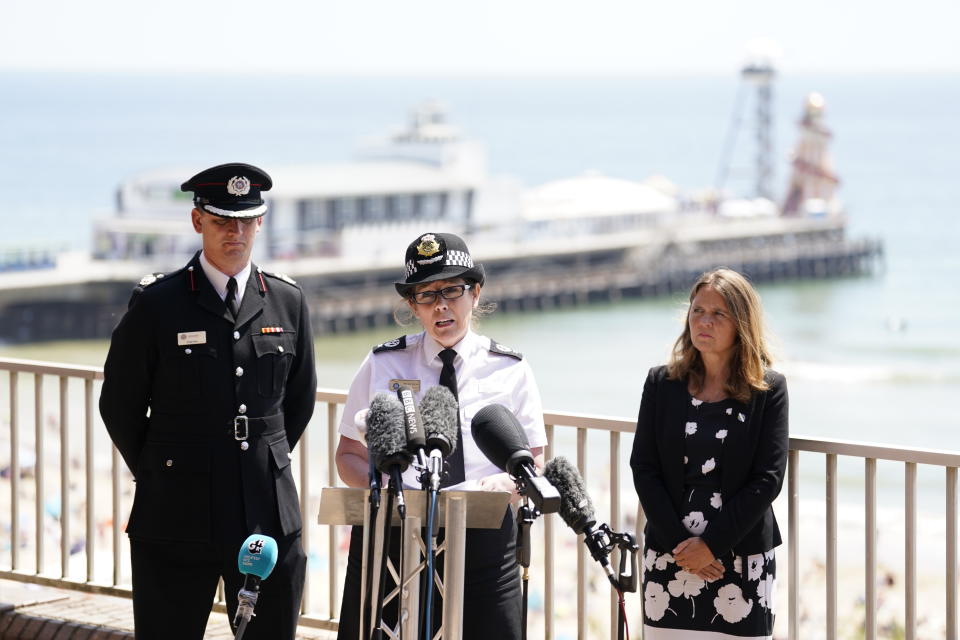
678	604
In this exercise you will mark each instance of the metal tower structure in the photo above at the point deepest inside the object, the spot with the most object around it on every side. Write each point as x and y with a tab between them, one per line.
760	73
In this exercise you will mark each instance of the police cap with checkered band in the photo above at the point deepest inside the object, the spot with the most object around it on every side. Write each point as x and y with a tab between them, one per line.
437	256
230	190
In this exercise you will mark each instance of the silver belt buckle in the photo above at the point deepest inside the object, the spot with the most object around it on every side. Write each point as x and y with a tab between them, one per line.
241	428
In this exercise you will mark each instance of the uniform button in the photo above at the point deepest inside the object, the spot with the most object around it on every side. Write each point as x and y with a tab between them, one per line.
244	445
236	335
188	351
290	455
169	463
242	408
280	348
239	371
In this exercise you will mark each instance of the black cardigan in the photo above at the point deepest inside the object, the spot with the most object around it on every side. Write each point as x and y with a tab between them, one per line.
752	466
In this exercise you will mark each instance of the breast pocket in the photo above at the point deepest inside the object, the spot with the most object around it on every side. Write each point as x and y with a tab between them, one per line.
187	368
275	353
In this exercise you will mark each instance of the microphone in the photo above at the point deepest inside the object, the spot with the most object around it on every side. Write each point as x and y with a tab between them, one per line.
256	560
387	442
412	422
439	410
576	509
501	438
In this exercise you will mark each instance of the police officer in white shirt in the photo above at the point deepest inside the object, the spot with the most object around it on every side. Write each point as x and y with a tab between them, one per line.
442	286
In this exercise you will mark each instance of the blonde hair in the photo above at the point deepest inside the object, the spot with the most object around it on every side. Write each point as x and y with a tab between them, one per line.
751	355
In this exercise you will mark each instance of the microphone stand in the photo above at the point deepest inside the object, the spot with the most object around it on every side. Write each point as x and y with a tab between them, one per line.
376	633
373	508
430	481
601	543
526	514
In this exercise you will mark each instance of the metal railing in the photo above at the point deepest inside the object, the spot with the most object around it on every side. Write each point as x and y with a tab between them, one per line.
565	431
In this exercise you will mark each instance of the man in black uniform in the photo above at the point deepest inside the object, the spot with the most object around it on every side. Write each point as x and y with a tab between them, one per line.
208	385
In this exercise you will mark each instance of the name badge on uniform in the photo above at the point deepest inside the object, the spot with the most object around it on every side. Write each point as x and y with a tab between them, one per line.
395	384
191	337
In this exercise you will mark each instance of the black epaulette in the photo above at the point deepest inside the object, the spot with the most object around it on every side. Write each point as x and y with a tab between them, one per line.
504	350
397	344
148	281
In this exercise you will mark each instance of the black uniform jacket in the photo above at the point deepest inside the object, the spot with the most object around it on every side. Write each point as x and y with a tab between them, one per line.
184	383
752	466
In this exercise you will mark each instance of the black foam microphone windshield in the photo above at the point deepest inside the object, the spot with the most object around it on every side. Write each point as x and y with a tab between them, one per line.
439	409
576	509
387	441
501	438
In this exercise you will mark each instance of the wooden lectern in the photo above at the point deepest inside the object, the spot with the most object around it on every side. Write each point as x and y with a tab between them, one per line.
456	510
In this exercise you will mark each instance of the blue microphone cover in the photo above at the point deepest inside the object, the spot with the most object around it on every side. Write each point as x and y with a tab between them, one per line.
258	556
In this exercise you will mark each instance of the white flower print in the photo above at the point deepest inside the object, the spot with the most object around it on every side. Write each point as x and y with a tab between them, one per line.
730	604
695	522
729	411
766	592
696	402
687	585
708	466
769	555
691	428
685	460
656	602
648	559
716	501
663	561
754	566
741	417
721	435
738	564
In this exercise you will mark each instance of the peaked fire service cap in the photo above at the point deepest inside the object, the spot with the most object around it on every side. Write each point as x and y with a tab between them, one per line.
437	256
230	190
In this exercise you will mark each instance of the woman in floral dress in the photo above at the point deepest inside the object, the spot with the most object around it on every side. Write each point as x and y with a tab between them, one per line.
708	460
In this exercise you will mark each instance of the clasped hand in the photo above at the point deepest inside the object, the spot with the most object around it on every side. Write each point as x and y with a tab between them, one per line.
694	555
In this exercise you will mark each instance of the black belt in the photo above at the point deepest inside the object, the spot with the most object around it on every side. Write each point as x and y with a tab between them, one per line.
243	427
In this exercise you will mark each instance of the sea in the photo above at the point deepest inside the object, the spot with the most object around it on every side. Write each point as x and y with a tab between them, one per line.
873	358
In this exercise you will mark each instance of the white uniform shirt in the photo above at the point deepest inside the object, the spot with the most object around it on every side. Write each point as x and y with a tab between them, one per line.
483	378
219	279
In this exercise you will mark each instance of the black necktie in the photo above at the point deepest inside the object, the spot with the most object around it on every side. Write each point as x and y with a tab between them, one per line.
232	297
448	378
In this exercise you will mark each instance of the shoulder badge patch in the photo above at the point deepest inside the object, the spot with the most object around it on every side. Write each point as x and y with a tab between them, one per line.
397	344
149	279
504	350
279	276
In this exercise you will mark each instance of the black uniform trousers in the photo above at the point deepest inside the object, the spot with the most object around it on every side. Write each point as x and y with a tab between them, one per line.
492	594
174	585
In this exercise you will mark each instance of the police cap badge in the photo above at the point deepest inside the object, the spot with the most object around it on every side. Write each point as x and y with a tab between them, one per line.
437	256
230	190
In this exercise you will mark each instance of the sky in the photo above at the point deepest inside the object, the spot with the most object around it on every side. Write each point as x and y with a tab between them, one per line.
504	37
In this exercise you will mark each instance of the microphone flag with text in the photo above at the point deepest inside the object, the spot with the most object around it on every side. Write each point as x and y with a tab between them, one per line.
387	442
501	438
256	560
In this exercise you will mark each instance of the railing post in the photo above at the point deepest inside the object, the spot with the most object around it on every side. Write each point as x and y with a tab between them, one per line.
41	464
304	445
793	525
910	550
14	474
581	548
831	546
952	578
115	462
333	575
64	478
870	547
614	522
548	560
90	480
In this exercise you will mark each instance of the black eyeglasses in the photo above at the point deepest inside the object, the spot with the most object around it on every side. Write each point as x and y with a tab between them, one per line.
447	293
